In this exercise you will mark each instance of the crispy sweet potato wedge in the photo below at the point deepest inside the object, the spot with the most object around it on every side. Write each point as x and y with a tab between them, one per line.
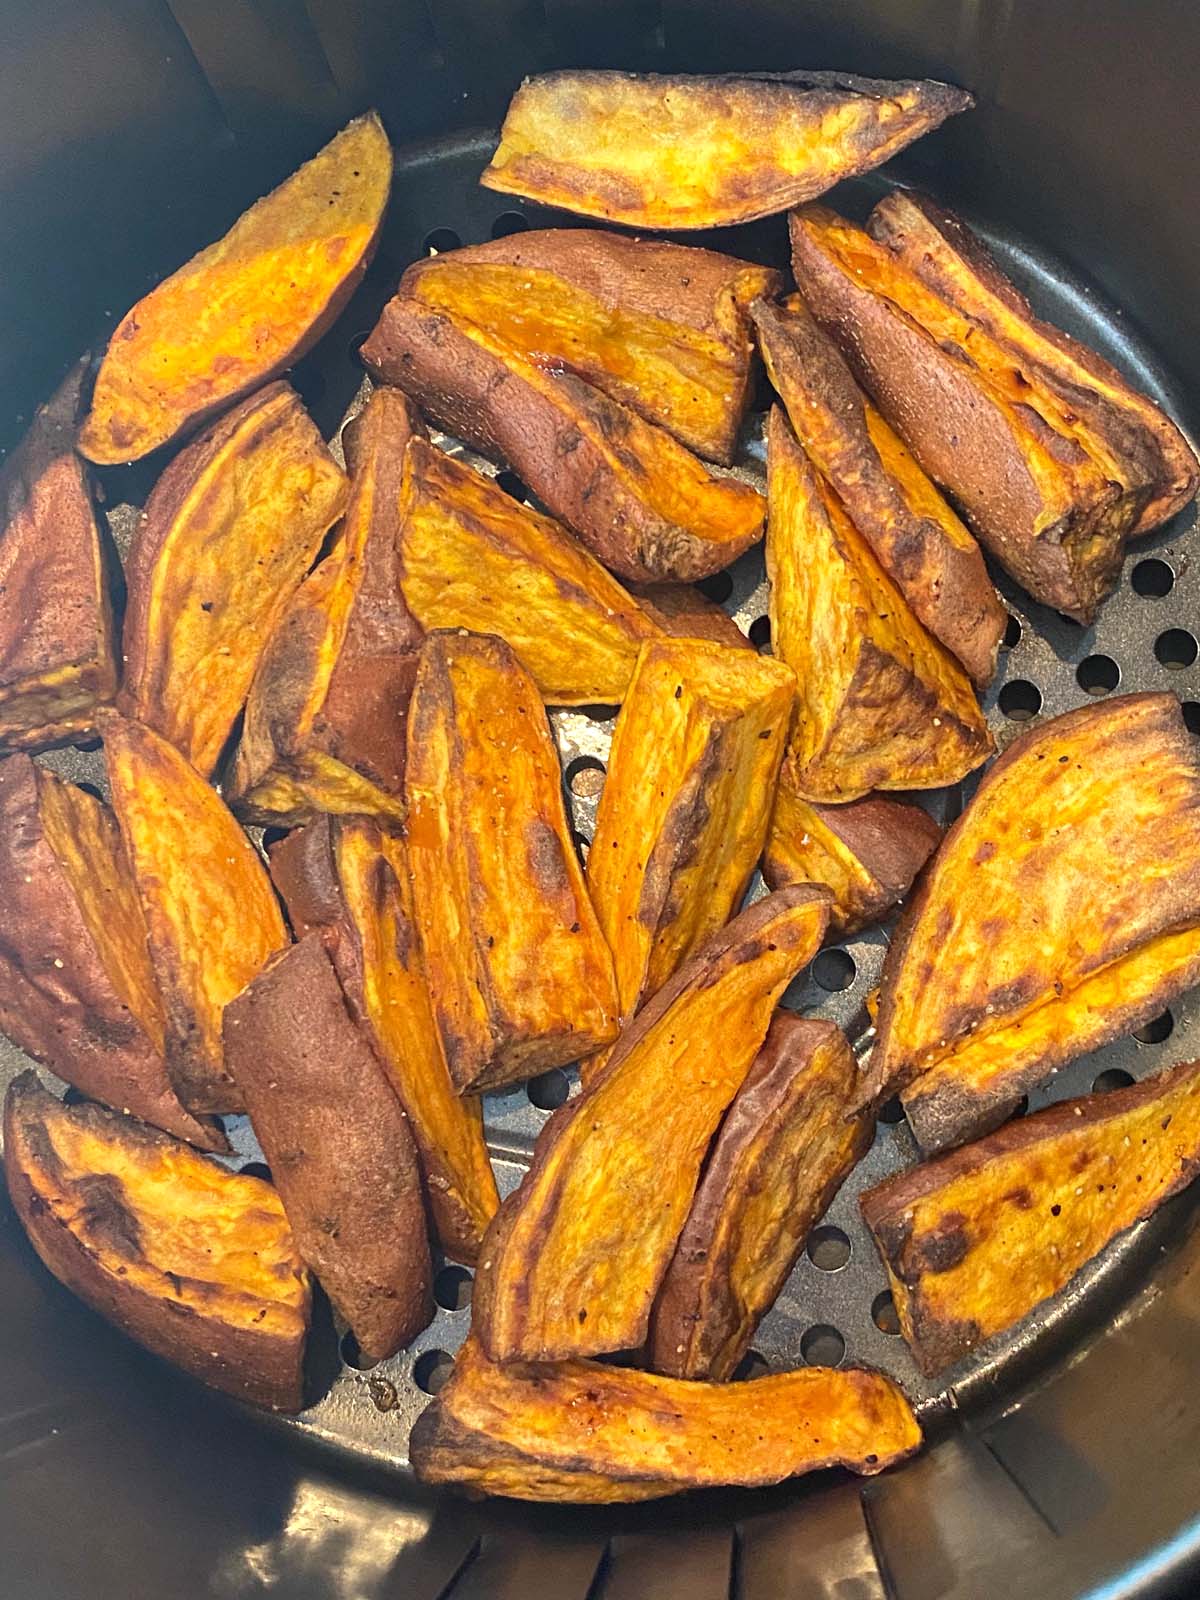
519	972
867	853
978	1238
1067	897
228	532
473	557
585	1431
338	1145
917	539
324	727
787	1142
638	500
212	919
1036	484
685	613
193	1261
243	310
1147	450
695	152
662	328
77	990
685	805
57	658
881	704
575	1256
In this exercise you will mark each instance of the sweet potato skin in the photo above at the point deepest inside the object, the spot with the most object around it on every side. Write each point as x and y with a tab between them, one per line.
684	613
1033	497
867	853
519	973
246	308
212	920
1093	809
703	152
787	1142
68	901
324	724
338	1145
193	1261
921	545
575	1256
881	704
685	805
473	557
305	877
584	1431
661	328
57	655
228	532
975	1239
946	255
640	502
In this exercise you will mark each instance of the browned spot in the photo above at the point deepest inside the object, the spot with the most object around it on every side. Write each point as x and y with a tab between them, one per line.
944	1246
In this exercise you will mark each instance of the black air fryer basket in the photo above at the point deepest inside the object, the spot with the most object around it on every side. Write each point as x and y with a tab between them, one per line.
1067	1462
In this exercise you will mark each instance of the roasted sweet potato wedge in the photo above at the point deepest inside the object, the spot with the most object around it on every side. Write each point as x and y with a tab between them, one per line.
1062	910
867	853
695	152
57	658
338	1145
586	1431
473	557
193	1261
685	805
978	1238
324	726
1142	446
1034	481
662	328
519	972
243	310
575	1256
787	1142
228	532
638	500
77	990
212	919
683	612
881	704
917	539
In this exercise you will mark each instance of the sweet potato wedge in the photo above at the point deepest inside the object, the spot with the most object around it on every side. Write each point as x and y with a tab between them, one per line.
696	152
519	972
246	308
978	1238
1068	896
212	919
191	1260
473	557
917	539
575	1256
787	1142
585	1431
662	328
324	725
867	853
57	657
638	500
685	806
881	704
338	1145
1026	469
683	612
228	532
77	990
1146	450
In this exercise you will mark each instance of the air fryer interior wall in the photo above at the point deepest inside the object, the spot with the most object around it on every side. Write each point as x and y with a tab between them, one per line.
130	139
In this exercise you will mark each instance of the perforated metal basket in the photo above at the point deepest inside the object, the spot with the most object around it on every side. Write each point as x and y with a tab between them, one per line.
1062	1460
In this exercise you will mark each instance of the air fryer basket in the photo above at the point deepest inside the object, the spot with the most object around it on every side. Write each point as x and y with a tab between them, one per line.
1063	1463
